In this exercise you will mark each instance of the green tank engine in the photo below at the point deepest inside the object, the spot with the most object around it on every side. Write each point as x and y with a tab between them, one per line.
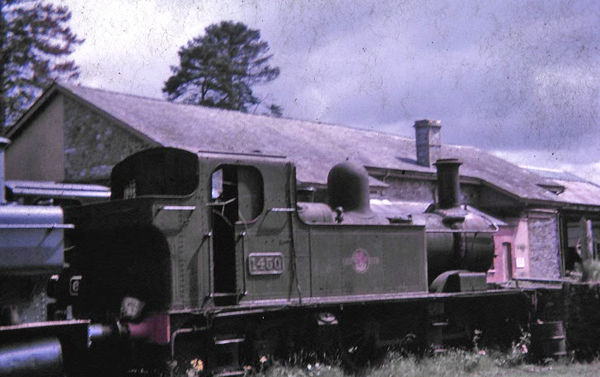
206	261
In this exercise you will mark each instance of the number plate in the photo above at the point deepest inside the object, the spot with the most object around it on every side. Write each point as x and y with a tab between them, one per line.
265	263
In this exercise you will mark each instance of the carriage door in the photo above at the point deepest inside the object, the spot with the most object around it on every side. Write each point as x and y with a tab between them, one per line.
237	197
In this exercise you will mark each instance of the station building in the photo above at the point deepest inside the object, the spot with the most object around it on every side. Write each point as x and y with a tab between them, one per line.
76	134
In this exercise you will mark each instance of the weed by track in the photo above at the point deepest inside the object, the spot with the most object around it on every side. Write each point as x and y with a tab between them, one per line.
452	364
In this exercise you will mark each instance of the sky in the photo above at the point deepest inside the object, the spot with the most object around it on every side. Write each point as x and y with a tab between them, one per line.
517	78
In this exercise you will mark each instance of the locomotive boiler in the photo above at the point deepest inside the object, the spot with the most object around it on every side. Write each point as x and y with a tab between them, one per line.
205	262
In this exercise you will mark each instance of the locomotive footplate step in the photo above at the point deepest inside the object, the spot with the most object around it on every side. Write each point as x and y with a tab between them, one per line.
227	355
222	294
225	298
228	340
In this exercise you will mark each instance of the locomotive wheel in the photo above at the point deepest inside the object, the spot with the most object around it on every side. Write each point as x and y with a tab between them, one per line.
358	343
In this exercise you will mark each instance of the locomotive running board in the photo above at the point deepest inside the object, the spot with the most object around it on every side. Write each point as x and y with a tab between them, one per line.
228	340
381	298
260	306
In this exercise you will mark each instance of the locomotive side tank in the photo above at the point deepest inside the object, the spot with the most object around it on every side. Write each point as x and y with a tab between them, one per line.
459	238
208	256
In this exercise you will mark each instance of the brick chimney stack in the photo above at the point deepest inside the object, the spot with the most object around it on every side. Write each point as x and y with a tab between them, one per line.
428	140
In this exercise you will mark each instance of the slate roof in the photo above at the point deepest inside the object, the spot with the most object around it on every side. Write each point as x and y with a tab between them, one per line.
313	147
575	190
579	193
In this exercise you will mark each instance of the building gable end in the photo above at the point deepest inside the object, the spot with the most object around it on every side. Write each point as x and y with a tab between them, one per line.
95	143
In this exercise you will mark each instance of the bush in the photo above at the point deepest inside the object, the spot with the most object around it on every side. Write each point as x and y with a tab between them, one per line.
591	270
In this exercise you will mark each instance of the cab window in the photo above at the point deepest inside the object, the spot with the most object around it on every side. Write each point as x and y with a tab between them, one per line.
239	191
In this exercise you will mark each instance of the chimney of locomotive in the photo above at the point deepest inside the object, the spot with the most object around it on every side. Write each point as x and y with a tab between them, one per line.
3	143
448	183
428	141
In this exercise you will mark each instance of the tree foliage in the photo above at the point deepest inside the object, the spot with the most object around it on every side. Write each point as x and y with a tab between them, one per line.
219	68
35	43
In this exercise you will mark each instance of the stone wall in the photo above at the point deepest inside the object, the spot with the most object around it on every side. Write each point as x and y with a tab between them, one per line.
470	195
425	191
544	246
410	190
94	144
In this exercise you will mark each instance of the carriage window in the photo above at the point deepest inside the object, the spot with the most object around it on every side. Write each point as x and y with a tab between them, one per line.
240	190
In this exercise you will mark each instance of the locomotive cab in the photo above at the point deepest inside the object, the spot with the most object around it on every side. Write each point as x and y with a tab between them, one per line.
213	214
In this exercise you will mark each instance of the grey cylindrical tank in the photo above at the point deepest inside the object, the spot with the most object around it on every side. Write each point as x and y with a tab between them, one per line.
32	239
548	340
42	357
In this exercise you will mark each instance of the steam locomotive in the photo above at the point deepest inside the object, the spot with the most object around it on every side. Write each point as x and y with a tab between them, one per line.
206	262
33	342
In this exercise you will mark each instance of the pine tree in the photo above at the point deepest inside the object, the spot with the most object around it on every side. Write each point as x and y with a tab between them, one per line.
219	68
35	43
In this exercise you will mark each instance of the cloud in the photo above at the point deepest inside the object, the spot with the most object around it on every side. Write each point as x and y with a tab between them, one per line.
515	76
130	45
553	160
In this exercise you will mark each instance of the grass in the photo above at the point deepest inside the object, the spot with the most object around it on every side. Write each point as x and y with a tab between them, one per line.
459	363
454	363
